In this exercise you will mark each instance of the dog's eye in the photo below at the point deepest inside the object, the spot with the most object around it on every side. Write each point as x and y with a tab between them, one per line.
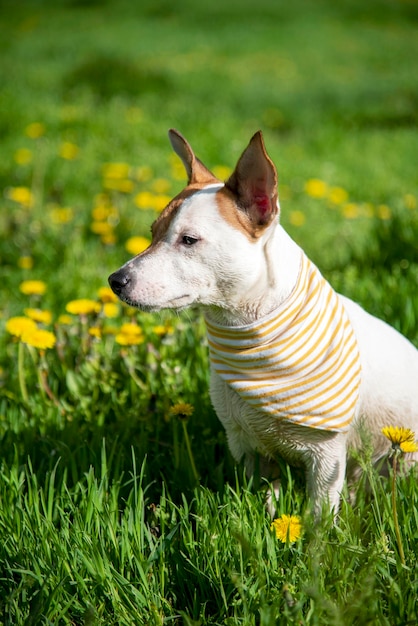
188	241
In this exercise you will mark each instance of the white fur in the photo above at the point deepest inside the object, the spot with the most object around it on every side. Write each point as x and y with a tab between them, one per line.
237	280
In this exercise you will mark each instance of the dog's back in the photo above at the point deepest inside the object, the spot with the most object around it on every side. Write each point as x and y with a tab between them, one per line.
389	388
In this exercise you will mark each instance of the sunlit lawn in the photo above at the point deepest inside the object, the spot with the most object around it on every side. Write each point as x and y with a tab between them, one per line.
119	501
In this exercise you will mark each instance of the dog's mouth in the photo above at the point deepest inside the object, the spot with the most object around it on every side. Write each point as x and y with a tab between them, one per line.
178	303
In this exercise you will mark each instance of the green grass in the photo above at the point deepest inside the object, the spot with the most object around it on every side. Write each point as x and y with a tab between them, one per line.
114	510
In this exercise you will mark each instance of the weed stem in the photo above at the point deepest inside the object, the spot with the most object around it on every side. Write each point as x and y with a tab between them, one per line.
395	511
21	372
189	450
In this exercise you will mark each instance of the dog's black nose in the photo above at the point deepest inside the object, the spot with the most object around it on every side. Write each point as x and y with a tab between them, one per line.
118	281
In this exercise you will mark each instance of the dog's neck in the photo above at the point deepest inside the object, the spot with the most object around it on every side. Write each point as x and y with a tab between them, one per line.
276	279
299	363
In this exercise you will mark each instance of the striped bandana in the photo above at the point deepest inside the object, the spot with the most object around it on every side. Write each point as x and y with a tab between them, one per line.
300	363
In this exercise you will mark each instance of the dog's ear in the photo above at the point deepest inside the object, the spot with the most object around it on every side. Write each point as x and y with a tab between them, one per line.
254	182
197	173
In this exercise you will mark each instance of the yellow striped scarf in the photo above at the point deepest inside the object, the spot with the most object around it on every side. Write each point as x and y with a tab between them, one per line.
300	363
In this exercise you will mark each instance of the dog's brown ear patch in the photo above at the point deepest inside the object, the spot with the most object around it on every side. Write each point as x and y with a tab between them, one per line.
197	173
254	183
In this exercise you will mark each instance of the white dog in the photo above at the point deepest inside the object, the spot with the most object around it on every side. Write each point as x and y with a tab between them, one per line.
295	367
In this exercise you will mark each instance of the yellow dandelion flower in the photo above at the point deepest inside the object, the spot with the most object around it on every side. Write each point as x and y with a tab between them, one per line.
401	438
129	328
337	195
83	306
39	338
110	309
118	171
38	315
95	331
106	295
136	245
65	319
383	212
23	156
144	200
182	410
101	212
129	334
160	201
410	201
33	287
408	446
108	238
161	185
396	434
25	262
21	195
126	339
35	130
161	329
316	188
115	184
68	151
101	228
297	218
351	210
288	528
18	325
61	215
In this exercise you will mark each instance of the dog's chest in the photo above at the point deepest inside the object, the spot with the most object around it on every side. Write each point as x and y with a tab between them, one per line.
249	430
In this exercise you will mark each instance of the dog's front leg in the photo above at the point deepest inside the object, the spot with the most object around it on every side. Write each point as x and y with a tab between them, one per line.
325	472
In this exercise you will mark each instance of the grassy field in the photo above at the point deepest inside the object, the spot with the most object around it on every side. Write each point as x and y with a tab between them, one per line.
119	501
